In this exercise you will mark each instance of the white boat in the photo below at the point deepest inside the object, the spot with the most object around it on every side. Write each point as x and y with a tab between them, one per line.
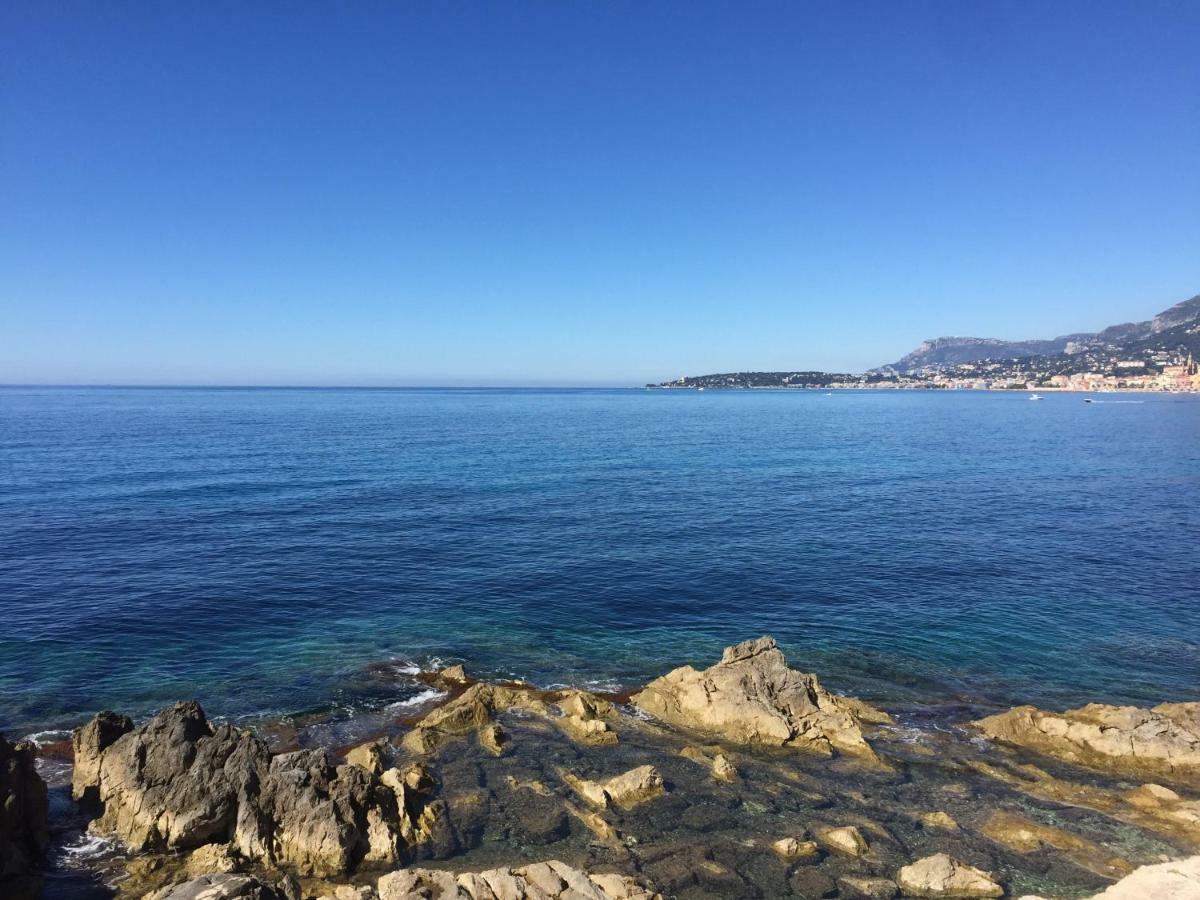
1034	397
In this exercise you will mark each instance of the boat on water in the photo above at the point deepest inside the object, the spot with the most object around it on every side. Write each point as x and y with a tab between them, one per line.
1035	397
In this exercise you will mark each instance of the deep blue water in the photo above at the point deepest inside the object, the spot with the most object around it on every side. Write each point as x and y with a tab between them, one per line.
258	548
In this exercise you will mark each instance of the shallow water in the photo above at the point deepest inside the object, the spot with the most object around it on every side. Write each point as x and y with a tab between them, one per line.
260	549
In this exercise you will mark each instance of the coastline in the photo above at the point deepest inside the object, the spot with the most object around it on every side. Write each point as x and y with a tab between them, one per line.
515	769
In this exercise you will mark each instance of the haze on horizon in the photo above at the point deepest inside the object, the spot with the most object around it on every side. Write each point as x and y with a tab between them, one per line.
578	193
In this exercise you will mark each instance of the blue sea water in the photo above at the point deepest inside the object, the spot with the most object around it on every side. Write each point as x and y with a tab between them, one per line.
260	549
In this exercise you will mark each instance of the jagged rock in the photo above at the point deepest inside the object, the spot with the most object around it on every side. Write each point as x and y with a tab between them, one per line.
469	712
540	881
23	811
625	790
1023	835
942	876
455	674
221	887
212	859
791	848
88	743
372	756
1163	741
855	888
493	738
584	718
178	783
752	697
846	840
719	764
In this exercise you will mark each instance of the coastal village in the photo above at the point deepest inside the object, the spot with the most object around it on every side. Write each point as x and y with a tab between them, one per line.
1170	371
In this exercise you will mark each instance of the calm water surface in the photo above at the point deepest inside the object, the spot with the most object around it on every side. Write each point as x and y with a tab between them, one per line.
257	549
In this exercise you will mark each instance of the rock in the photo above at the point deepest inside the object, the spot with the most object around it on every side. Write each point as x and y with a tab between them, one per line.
469	712
23	812
855	888
1163	741
493	738
1178	880
371	756
88	743
846	840
178	783
752	697
584	718
626	790
939	819
942	876
212	859
455	674
719	764
220	887
1023	835
791	848
540	881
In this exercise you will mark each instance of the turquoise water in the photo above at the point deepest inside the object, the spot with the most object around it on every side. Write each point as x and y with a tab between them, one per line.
261	549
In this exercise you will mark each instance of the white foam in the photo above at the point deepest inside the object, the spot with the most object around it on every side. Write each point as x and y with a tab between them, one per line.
86	848
42	738
425	697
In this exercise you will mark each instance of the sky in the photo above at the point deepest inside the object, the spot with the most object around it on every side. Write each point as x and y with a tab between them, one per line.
576	193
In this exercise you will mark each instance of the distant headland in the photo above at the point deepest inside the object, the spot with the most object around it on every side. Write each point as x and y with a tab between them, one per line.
1159	354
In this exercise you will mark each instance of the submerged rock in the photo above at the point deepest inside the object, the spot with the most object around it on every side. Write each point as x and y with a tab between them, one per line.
23	812
469	712
1023	835
752	697
942	876
846	840
540	881
1163	741
223	887
178	783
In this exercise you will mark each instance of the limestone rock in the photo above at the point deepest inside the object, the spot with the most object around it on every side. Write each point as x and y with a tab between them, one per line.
1178	880
752	697
469	712
88	743
584	718
846	840
942	876
212	859
551	880
220	887
1163	741
23	811
856	888
493	738
719	764
939	819
1023	835
625	790
371	756
455	674
791	848
178	783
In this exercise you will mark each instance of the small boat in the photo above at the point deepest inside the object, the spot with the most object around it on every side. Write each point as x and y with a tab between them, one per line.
1034	397
1087	400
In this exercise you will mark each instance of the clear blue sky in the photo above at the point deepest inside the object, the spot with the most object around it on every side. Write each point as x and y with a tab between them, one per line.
580	192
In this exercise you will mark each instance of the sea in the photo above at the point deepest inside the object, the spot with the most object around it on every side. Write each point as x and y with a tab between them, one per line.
270	551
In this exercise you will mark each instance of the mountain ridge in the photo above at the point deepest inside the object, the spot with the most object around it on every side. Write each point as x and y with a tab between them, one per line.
948	351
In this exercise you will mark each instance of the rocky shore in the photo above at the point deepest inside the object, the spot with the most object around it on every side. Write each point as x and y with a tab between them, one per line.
745	779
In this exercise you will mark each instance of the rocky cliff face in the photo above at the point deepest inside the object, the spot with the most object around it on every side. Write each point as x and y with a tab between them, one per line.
178	783
23	812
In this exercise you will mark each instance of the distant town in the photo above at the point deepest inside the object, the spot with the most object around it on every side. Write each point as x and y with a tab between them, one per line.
1155	355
